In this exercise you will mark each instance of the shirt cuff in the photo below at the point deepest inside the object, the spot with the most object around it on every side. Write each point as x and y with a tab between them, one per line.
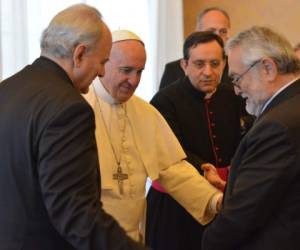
213	203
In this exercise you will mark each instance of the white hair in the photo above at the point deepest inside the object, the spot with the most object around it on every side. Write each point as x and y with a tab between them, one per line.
258	42
78	24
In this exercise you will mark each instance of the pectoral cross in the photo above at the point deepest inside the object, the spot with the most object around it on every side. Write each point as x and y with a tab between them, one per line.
120	177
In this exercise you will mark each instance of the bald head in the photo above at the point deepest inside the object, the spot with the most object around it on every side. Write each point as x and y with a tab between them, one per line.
124	69
215	20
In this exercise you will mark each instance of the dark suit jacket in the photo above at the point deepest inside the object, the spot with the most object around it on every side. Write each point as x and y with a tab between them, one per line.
173	72
49	174
262	199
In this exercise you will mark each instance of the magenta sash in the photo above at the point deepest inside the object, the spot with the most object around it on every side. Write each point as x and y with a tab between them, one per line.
158	187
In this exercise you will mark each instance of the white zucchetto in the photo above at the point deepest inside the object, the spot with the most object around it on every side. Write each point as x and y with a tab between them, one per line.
122	35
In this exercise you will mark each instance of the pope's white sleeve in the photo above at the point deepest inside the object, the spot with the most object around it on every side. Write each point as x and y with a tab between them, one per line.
184	183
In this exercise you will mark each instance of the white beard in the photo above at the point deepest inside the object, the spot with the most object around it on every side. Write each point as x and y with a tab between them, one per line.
253	108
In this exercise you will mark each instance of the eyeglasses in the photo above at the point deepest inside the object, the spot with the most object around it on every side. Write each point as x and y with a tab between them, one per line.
235	79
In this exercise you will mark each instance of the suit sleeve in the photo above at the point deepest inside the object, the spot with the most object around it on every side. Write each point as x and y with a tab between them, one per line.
256	185
165	79
168	110
69	179
172	72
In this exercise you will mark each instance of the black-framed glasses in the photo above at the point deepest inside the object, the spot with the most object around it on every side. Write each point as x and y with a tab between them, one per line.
235	79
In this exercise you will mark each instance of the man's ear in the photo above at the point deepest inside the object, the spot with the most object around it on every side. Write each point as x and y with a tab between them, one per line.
183	64
269	68
78	54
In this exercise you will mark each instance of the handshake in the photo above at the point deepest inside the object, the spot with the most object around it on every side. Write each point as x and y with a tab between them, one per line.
216	177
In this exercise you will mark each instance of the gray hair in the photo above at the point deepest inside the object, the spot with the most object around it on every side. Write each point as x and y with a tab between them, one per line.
205	11
258	42
78	24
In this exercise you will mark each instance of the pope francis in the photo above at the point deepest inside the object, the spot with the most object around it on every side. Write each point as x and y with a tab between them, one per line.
135	142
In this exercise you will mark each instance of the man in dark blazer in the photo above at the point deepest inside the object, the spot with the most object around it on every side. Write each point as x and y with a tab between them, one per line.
49	174
211	19
261	205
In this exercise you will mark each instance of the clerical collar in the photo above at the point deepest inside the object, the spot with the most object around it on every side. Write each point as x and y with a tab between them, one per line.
195	91
103	93
209	95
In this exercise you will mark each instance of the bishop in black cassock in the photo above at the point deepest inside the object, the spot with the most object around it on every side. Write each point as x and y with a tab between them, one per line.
209	132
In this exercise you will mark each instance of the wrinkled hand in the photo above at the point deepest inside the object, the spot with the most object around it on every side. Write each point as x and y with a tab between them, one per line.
211	174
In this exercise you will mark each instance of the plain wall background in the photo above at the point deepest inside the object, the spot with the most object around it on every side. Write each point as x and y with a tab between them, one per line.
281	15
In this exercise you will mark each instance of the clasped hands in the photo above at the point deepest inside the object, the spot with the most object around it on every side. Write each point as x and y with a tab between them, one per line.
211	174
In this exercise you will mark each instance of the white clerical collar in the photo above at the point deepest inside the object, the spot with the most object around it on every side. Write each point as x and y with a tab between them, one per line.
102	92
277	93
209	95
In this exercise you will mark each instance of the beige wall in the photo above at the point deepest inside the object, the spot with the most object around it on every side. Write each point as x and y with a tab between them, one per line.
283	15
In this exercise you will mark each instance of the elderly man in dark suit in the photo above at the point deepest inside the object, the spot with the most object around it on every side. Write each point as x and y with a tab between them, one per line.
49	174
261	204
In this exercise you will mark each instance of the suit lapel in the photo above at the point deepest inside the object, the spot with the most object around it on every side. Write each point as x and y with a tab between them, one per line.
289	92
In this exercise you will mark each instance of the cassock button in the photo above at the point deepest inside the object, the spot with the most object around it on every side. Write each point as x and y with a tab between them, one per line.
121	110
211	113
127	159
122	127
122	124
214	136
220	160
212	124
217	148
121	114
125	145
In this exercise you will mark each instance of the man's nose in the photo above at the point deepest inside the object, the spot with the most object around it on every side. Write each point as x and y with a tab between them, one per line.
134	78
237	90
207	69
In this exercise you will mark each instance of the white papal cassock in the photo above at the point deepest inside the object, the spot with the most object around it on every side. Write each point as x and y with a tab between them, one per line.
136	135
